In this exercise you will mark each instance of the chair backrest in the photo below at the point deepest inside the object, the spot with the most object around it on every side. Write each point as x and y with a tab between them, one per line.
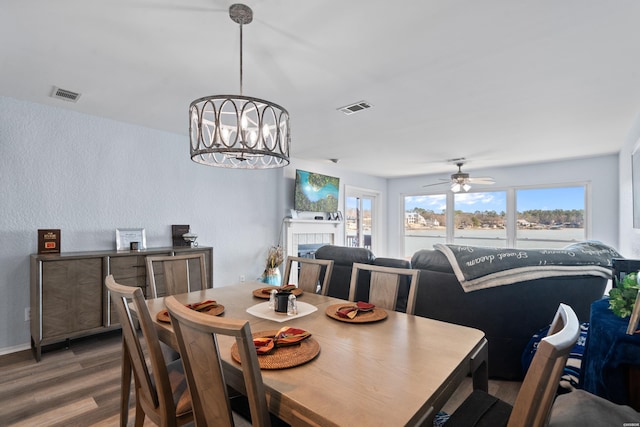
537	393
309	272
196	334
179	273
154	394
384	285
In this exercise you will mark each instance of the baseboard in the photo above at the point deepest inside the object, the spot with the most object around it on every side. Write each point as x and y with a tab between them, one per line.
14	349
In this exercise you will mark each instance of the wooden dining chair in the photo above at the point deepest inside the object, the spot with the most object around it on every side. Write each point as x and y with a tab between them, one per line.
176	274
309	272
161	390
384	285
533	404
196	335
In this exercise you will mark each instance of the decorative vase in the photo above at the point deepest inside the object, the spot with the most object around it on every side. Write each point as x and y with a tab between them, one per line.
271	276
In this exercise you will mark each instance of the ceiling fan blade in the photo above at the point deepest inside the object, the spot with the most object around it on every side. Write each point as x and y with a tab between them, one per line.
437	183
482	180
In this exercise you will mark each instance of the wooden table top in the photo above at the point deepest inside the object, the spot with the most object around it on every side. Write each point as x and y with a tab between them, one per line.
392	372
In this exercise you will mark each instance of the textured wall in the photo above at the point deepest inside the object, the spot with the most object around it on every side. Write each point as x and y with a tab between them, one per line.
89	176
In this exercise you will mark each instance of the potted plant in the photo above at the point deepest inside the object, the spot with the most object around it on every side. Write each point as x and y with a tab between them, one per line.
271	274
623	296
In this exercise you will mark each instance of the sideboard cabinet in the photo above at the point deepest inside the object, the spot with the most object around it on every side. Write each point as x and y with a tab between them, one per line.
68	296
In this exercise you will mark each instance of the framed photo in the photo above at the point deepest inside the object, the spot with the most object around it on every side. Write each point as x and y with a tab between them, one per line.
130	238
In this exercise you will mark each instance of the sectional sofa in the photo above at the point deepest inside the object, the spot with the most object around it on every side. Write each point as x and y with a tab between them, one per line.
508	314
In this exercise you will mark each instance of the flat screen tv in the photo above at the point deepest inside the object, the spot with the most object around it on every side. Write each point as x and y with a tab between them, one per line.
315	192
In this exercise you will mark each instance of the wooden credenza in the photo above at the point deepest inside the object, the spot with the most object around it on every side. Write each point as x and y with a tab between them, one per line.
68	296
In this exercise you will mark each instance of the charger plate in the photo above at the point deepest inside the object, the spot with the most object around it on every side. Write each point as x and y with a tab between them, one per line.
374	315
163	315
283	357
259	294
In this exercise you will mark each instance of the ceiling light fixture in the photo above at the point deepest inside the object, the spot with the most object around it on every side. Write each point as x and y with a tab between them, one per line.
236	131
460	180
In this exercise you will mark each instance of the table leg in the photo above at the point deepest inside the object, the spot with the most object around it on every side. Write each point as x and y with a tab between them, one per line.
479	368
125	386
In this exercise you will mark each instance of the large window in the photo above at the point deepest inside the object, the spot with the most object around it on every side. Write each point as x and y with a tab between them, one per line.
550	217
424	222
480	218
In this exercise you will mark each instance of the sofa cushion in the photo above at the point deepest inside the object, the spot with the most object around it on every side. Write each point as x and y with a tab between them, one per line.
342	255
427	259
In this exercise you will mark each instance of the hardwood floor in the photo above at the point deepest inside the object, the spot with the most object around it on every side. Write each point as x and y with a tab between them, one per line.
80	386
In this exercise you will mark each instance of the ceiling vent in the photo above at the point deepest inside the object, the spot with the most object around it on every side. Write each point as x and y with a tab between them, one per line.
354	108
65	95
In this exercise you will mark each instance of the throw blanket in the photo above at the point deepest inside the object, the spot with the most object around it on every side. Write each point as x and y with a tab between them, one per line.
479	267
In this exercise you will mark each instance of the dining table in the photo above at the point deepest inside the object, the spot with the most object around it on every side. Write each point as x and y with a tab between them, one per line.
395	370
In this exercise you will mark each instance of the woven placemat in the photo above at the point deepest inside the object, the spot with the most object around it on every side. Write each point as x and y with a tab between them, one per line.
163	315
283	357
363	317
258	293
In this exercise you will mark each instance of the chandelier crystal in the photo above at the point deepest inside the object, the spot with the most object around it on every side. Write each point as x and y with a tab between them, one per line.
236	131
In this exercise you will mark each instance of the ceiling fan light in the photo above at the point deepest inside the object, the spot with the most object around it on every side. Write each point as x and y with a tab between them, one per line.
466	187
455	188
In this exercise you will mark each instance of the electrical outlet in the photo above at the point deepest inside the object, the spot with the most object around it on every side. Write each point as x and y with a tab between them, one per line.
242	277
27	314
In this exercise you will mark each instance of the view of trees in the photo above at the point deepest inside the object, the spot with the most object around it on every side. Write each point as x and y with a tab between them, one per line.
492	219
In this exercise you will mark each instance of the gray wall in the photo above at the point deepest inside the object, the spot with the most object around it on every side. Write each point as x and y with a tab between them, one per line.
89	176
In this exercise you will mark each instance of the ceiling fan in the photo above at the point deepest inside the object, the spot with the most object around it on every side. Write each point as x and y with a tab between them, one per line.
461	180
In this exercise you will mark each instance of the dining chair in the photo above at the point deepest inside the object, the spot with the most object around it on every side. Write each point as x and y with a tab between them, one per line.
196	334
178	273
533	403
161	390
384	285
309	272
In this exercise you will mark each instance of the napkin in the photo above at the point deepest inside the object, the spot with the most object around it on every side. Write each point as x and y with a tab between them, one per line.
286	288
202	306
350	312
163	315
285	336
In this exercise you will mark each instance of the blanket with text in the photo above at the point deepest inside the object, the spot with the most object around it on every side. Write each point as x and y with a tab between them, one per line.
481	267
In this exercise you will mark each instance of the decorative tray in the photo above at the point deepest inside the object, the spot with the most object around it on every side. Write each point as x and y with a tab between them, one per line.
374	315
283	357
265	292
163	315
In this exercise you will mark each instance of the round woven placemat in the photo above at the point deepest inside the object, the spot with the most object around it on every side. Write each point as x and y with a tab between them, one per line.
264	295
163	315
283	357
363	317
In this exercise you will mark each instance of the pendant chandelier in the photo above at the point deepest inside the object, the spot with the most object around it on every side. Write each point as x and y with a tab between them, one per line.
236	131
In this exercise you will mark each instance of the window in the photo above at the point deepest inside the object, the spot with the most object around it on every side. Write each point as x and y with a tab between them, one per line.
424	222
553	216
550	217
360	219
480	218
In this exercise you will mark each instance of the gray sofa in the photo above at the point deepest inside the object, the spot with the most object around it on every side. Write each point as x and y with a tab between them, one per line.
509	315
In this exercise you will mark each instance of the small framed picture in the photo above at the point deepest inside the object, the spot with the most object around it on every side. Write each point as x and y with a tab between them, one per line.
130	239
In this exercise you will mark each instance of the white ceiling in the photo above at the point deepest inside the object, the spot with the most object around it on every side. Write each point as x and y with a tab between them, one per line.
495	81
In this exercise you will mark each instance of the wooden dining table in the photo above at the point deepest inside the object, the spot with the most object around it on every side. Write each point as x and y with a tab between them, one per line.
398	371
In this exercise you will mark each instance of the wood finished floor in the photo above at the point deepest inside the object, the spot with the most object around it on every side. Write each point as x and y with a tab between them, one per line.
80	386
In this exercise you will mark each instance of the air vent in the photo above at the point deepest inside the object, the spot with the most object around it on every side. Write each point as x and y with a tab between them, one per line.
354	108
65	95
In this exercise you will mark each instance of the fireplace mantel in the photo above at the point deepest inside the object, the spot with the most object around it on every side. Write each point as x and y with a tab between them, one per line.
309	231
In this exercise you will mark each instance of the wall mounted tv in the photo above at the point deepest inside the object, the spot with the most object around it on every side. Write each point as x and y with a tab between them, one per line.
315	192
